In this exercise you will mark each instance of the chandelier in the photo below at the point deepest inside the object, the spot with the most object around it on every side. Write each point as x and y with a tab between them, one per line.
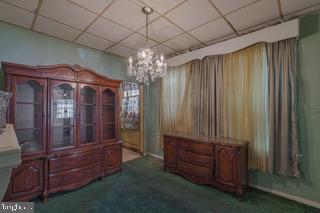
147	65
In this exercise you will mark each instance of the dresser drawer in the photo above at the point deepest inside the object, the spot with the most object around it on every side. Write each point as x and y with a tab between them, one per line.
74	178
73	161
197	159
201	148
198	171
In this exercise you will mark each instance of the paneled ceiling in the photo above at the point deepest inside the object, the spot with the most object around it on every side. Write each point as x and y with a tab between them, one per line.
177	26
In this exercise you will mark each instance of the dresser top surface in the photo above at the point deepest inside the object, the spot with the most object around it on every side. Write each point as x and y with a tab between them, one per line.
215	140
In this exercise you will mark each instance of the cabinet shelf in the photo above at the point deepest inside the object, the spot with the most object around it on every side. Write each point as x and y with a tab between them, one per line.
68	126
36	128
90	124
31	103
87	104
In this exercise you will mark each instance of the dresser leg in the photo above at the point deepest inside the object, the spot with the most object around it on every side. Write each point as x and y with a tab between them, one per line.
44	198
240	198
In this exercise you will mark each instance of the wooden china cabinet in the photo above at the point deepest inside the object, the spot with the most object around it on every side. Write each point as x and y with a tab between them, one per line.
67	123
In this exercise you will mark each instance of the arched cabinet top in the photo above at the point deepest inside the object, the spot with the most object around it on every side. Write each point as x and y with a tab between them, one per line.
60	72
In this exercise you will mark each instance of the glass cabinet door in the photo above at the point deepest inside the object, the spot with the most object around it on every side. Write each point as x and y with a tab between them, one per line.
108	107
62	114
88	114
30	114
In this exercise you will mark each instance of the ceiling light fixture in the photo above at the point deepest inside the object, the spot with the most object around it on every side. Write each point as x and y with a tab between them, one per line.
147	65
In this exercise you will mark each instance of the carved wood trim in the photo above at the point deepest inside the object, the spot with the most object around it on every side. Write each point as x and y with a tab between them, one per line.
60	72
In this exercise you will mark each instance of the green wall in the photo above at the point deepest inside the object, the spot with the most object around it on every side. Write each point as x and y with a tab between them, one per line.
26	47
308	186
308	105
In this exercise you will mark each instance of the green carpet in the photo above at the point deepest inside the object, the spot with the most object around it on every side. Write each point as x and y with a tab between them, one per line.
143	187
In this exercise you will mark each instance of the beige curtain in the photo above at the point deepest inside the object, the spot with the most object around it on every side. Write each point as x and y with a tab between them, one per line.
248	94
245	106
283	146
175	112
205	93
189	98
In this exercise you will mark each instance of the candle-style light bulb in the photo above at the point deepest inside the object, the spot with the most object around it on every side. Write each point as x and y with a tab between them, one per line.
161	57
143	54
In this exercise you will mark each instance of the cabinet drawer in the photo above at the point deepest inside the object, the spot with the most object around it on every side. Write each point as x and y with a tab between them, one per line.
199	171
73	161
74	178
197	159
201	148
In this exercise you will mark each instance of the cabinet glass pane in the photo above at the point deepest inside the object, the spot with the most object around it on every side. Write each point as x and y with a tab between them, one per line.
108	131
29	112
88	107
63	116
108	115
88	134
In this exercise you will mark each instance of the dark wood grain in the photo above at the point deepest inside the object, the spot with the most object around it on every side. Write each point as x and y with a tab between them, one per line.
57	169
25	180
210	162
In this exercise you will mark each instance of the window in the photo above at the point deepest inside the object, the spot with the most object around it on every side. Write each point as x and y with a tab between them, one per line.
130	106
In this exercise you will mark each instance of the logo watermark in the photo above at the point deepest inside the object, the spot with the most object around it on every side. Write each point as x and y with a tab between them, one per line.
19	207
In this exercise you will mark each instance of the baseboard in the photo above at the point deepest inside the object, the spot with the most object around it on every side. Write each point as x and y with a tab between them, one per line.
132	149
272	191
153	155
288	196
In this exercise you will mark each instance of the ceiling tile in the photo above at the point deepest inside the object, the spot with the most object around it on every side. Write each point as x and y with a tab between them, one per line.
161	49
302	12
66	12
227	6
55	29
192	13
214	41
182	42
108	30
247	16
121	51
128	14
14	15
213	30
162	6
290	6
137	41
162	30
30	5
93	41
96	6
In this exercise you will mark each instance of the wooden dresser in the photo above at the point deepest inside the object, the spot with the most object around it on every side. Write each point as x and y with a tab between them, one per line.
67	123
221	162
